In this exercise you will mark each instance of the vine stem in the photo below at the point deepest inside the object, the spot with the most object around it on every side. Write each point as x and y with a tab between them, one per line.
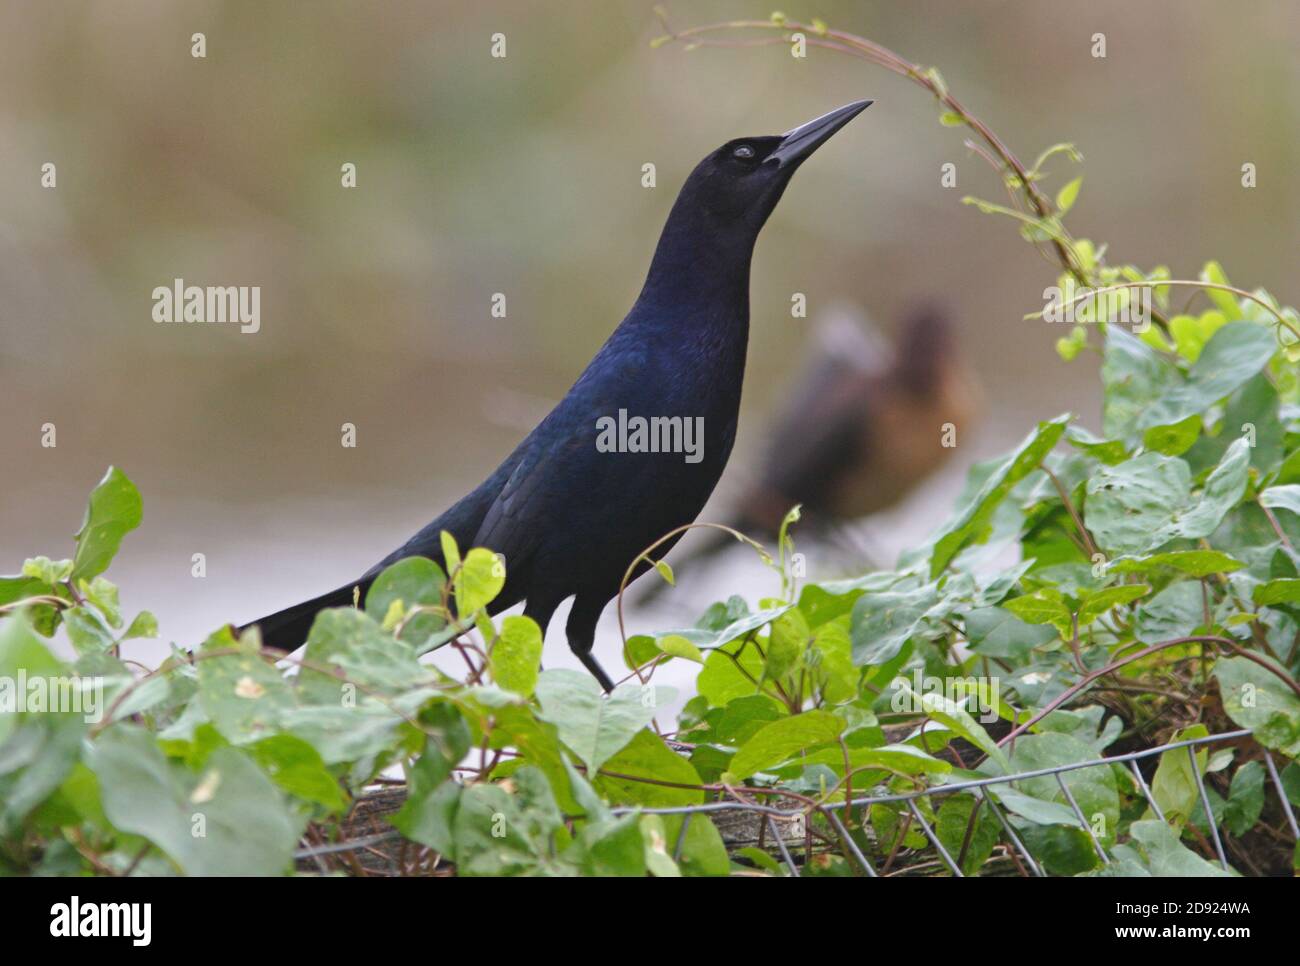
1277	527
1089	544
841	41
1195	283
644	557
1088	679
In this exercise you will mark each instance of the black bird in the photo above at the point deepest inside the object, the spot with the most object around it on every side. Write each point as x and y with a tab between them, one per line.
862	426
569	516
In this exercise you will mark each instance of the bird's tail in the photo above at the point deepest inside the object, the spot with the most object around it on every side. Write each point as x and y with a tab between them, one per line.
286	630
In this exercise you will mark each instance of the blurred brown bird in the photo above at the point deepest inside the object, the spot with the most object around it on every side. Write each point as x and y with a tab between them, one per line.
863	425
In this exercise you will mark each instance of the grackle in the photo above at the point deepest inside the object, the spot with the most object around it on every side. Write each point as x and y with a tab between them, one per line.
569	514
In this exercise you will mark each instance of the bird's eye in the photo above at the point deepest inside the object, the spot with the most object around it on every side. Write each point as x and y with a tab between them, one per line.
744	152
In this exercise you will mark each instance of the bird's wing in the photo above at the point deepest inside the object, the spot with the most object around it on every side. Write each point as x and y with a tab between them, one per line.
558	456
509	528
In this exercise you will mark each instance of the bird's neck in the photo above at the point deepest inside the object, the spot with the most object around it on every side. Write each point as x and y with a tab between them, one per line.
700	270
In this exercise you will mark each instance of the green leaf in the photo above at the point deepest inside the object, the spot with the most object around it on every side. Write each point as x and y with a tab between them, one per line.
228	819
517	655
655	838
493	832
786	644
103	595
1166	855
1069	347
972	522
450	552
782	739
1174	439
1256	698
647	757
479	580
957	718
1194	563
1282	497
144	625
47	571
1245	801
882	622
1177	611
665	570
1145	502
297	768
1094	789
1098	602
951	826
115	509
1223	491
1132	506
1066	197
1282	590
34	762
348	654
595	726
428	815
1044	606
675	645
1191	333
721	681
1225	302
703	851
906	759
1135	378
86	631
348	734
1174	785
1036	810
1109	451
241	693
1233	356
411	582
996	632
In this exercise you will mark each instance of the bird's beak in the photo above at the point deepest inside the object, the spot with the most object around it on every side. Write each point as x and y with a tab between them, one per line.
806	138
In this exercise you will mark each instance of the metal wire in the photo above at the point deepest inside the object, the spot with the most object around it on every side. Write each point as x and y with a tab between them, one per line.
1281	791
1205	804
935	790
768	814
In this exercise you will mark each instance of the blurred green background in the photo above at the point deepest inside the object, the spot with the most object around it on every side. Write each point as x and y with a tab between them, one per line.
480	175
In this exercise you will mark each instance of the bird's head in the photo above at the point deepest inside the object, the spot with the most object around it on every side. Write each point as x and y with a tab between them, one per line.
742	181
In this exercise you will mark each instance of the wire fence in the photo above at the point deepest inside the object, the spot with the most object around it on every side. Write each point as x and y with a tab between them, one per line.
831	810
770	819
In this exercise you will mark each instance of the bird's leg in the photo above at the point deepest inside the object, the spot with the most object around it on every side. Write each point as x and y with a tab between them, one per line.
581	630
